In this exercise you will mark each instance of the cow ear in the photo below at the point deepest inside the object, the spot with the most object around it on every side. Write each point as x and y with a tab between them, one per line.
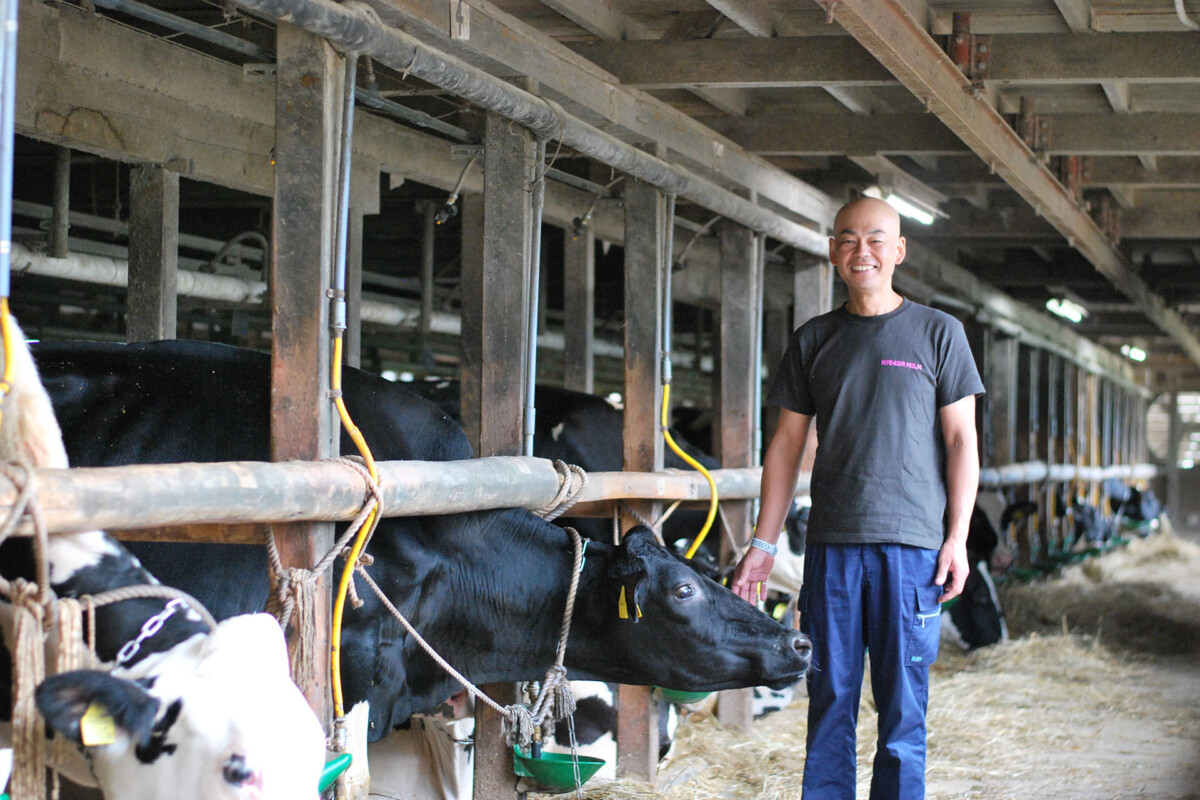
89	707
637	547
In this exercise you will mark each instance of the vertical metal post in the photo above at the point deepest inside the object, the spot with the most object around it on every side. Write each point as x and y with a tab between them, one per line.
308	96
496	264
1174	434
645	212
8	104
739	297
153	254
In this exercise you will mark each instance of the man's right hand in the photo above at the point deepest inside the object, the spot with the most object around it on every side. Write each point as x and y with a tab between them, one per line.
750	575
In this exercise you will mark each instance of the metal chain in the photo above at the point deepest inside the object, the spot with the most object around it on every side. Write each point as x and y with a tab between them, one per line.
149	628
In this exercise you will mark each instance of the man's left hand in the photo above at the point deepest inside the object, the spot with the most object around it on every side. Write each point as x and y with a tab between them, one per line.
952	568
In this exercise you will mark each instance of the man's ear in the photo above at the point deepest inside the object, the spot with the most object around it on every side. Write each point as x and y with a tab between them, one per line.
901	250
88	706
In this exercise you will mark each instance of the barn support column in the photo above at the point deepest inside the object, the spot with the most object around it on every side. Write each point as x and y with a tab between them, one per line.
1174	434
1091	431
1029	424
364	200
1070	444
1053	449
739	300
813	295
308	92
153	254
645	242
579	310
1002	380
495	265
60	223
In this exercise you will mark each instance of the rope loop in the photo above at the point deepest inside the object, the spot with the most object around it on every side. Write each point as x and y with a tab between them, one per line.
555	697
289	582
571	481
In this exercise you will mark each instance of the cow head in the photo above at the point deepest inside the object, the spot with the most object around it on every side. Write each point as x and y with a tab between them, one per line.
679	628
215	717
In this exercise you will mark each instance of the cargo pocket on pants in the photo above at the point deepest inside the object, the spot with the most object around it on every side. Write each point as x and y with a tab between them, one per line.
926	630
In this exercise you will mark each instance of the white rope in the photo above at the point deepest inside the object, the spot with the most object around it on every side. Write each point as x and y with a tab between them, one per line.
555	700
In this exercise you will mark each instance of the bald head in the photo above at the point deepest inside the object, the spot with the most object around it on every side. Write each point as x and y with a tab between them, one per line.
876	213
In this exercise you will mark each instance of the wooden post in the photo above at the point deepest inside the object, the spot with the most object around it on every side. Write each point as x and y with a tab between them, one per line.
1002	379
153	254
739	298
428	210
579	310
1053	450
495	265
307	110
645	212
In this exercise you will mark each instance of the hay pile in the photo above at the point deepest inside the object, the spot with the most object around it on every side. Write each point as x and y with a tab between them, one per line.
1143	598
1053	715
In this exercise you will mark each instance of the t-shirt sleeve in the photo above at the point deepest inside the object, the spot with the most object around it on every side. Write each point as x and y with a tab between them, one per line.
958	376
790	388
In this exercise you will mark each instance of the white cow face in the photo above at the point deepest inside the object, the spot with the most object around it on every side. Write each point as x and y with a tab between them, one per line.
215	718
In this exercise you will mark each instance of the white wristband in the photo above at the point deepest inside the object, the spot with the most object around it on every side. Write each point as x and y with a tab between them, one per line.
766	547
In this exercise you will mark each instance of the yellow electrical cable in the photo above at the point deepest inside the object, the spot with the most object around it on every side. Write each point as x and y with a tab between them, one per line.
712	485
6	333
335	638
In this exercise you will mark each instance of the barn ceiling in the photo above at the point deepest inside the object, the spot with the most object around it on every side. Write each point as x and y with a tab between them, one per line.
1057	142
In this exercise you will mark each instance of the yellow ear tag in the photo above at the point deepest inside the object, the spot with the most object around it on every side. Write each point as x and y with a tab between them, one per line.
96	726
622	609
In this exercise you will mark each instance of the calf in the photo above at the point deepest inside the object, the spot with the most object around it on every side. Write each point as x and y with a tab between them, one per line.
196	713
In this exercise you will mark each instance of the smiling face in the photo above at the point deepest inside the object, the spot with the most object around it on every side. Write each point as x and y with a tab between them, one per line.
865	248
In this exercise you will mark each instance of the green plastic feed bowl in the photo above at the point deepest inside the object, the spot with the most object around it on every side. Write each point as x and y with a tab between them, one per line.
677	696
554	772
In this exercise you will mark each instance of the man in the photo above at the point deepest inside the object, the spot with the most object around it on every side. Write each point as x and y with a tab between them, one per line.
892	386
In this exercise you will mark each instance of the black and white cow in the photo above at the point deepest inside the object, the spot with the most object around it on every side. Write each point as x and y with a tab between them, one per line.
487	589
975	618
196	713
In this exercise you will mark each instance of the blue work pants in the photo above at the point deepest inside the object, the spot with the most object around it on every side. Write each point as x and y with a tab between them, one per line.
880	598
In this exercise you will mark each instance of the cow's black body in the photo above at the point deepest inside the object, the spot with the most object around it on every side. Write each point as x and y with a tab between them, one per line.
587	431
487	589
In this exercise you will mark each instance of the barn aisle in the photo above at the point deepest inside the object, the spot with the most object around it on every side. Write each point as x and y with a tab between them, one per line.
1097	697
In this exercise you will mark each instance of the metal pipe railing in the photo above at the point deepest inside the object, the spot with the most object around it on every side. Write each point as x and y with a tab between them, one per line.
356	28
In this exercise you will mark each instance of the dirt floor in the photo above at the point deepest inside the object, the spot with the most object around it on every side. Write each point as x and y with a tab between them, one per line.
1095	697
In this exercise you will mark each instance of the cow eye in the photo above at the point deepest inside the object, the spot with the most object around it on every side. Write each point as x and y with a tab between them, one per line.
684	591
236	772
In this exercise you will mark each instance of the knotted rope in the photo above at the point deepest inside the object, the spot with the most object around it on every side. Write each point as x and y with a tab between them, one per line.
555	700
572	479
293	598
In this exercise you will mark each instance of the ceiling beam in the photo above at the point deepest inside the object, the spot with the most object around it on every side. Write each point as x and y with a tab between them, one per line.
903	46
1038	59
784	133
506	46
756	18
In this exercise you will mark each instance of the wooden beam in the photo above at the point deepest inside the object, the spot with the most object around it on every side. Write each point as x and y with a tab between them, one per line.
738	371
153	254
903	46
494	307
645	226
307	112
579	310
597	97
794	62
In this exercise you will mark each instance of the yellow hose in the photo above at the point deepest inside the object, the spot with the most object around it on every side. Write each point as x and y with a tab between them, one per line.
6	333
335	638
712	485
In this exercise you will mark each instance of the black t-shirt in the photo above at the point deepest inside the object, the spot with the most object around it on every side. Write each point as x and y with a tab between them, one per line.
875	385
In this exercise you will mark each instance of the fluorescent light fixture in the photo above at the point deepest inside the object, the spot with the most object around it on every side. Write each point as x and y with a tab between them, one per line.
1187	463
1134	353
1066	309
903	206
909	210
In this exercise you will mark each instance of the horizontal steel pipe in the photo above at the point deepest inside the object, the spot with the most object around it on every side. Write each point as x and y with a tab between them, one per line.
241	492
1037	471
354	27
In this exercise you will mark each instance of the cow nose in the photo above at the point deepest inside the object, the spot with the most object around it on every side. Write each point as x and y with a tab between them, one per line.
801	644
